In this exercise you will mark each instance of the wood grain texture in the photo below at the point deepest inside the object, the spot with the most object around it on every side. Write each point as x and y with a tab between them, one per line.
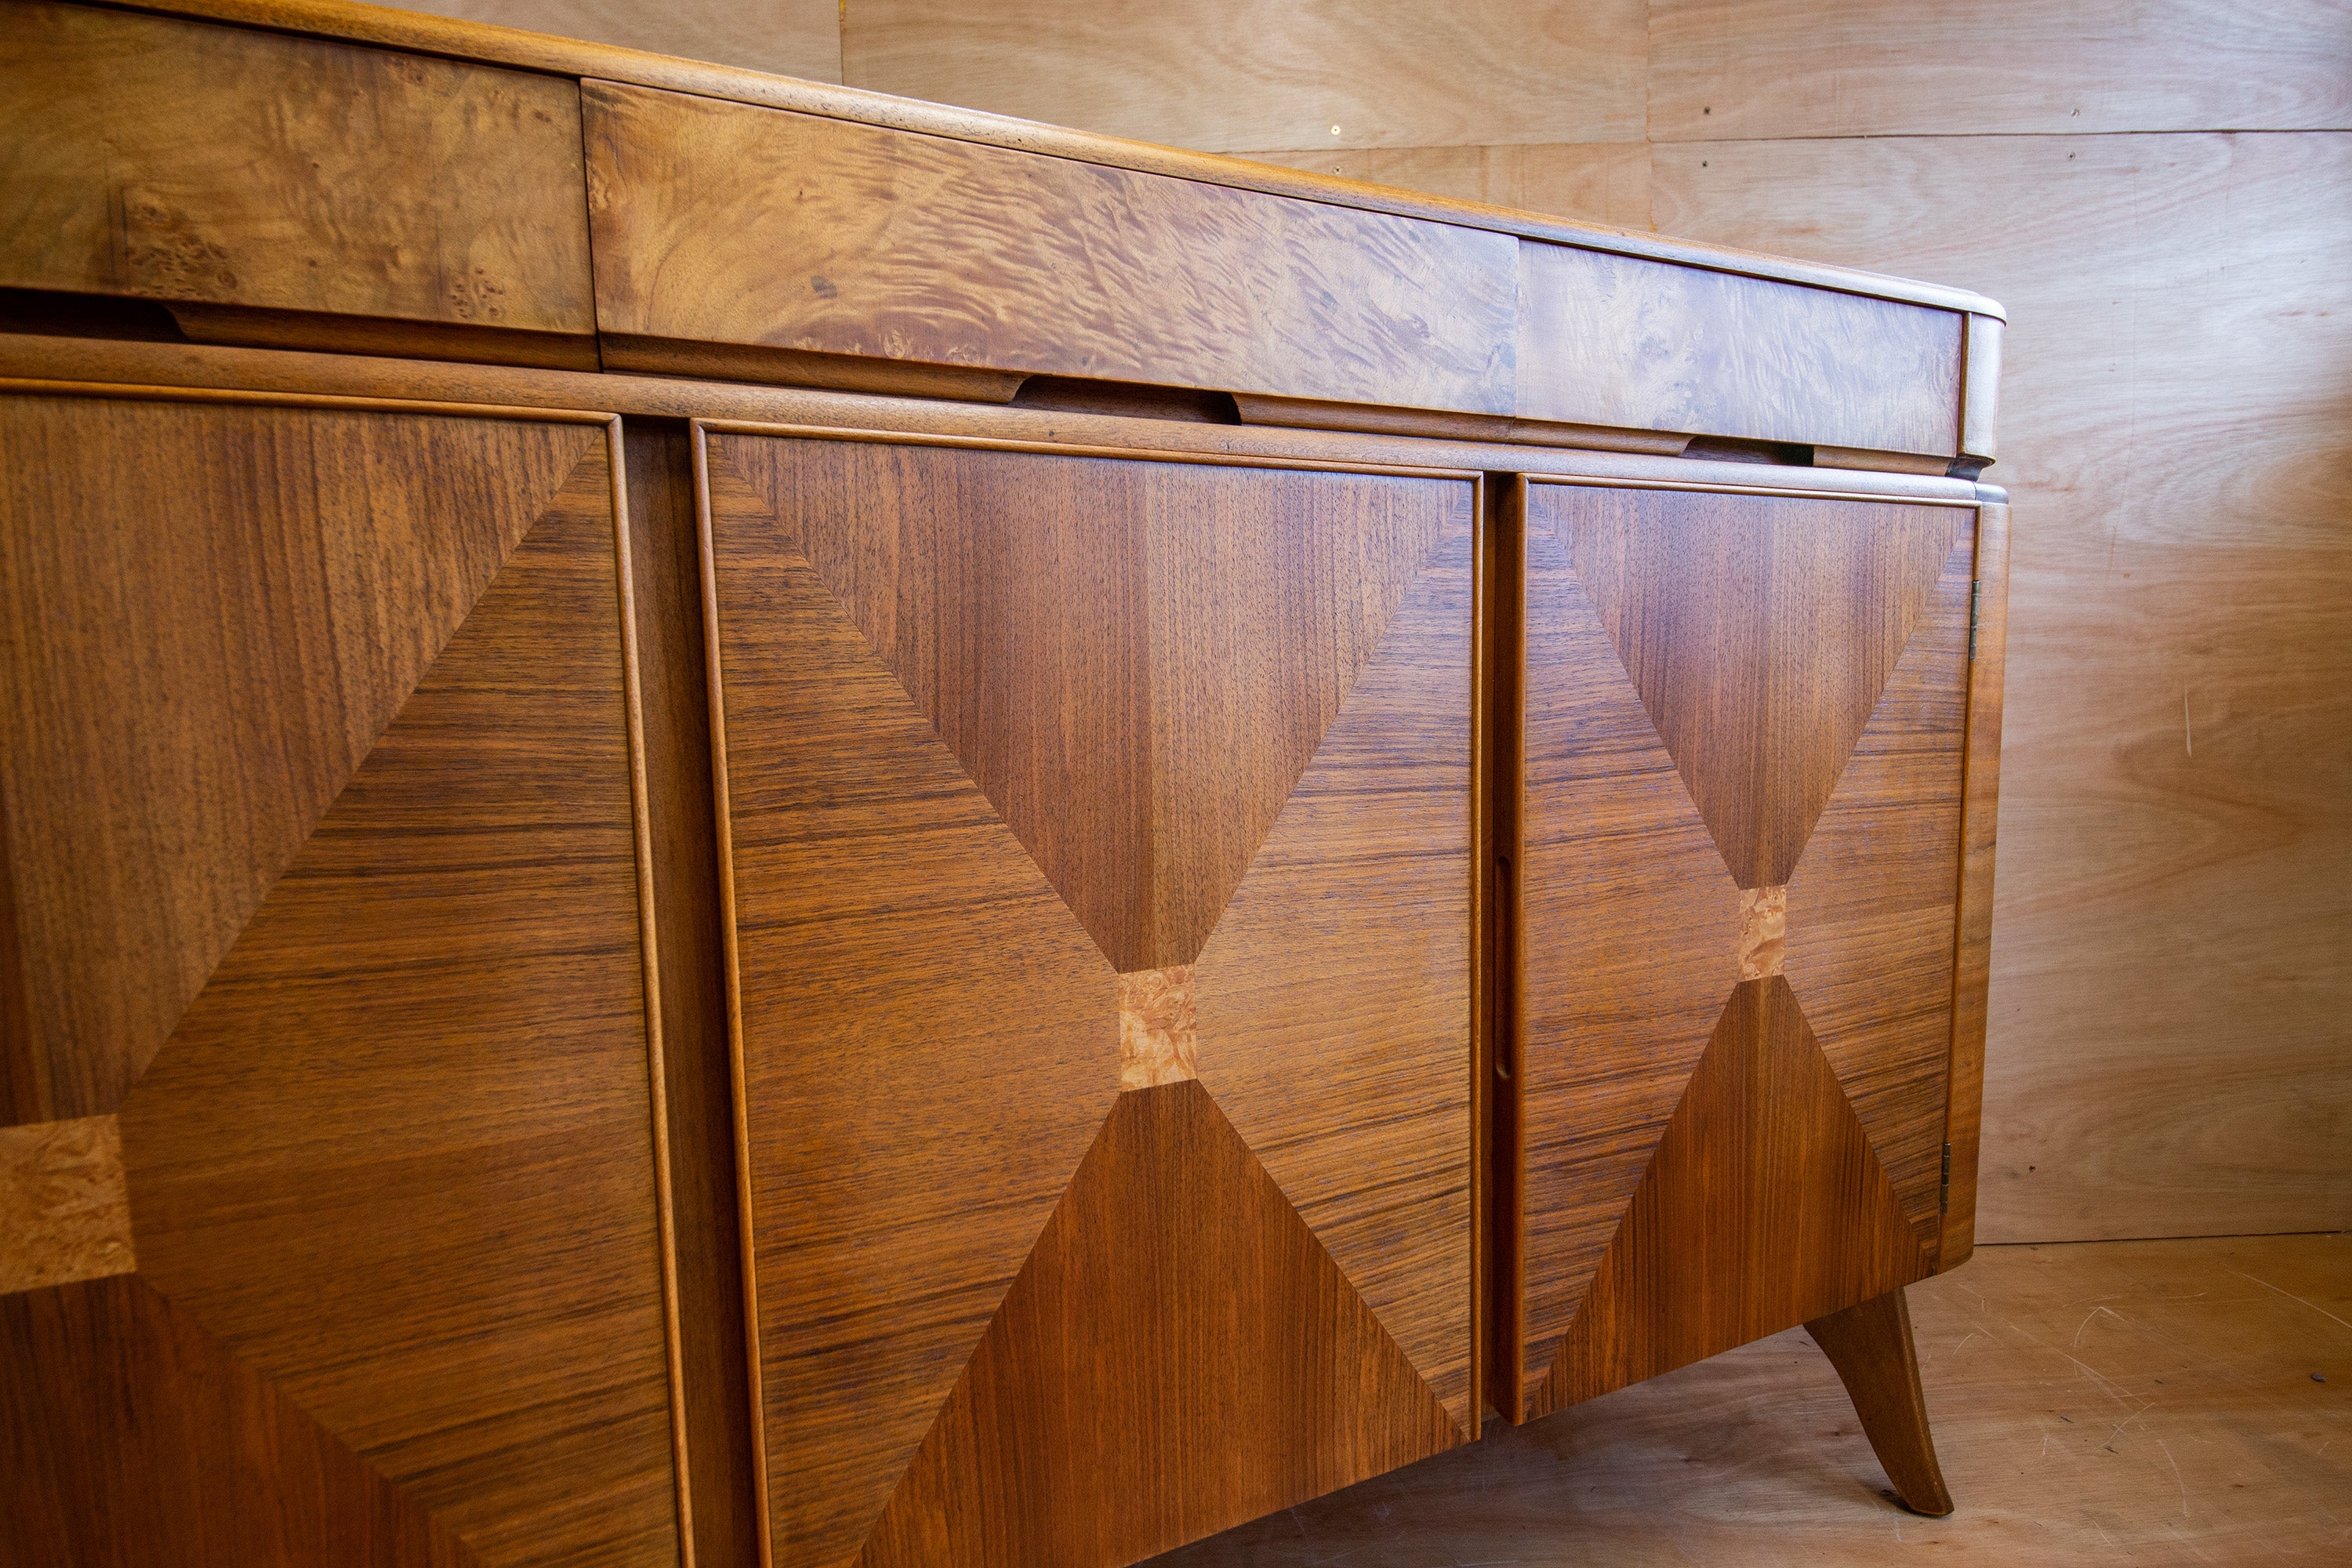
1218	74
2180	649
1872	901
1134	662
1622	341
1871	1346
1762	1208
64	1213
942	252
674	693
1335	993
1605	182
1760	633
1629	928
1178	1355
861	585
291	574
130	1435
928	1037
2116	1404
182	161
398	1154
1844	68
1973	947
789	37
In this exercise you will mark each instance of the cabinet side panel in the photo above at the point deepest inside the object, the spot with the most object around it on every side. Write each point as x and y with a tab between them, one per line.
1981	806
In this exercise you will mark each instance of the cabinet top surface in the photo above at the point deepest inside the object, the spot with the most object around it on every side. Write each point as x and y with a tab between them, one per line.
486	44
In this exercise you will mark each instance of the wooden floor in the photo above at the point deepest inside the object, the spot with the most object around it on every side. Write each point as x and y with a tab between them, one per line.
2139	1402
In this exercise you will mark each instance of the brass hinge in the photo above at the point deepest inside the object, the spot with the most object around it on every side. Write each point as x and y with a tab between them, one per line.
1975	613
1944	1191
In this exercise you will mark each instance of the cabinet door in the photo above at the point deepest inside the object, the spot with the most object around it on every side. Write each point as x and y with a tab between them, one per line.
1098	853
329	1227
1738	844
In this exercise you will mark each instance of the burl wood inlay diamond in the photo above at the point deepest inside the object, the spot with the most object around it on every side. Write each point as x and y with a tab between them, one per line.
1763	931
65	1212
1158	1036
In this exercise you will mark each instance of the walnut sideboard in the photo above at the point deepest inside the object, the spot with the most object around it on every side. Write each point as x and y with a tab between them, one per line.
745	824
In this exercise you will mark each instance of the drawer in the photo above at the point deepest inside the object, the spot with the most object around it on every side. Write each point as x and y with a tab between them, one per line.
294	191
758	242
1624	341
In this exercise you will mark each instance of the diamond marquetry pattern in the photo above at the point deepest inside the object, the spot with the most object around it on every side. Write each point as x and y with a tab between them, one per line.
1698	1169
1097	829
323	865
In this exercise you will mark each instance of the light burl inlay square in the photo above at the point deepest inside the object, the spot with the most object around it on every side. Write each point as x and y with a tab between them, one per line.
1156	1031
1763	931
65	1207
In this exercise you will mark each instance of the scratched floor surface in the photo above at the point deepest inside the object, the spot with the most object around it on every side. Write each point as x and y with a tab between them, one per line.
2125	1401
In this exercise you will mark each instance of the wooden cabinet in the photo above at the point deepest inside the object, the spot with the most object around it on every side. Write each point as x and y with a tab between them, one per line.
1121	838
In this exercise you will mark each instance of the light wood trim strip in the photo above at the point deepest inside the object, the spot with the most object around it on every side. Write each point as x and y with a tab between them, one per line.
1979	806
1483	632
65	1203
488	44
1979	385
746	1230
656	1074
1083	449
89	366
1712	485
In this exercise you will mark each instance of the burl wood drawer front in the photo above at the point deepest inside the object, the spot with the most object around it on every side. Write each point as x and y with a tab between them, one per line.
1740	844
323	942
729	224
220	167
1648	346
1099	842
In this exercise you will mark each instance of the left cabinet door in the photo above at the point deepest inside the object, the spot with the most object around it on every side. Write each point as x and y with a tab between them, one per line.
1098	836
333	1231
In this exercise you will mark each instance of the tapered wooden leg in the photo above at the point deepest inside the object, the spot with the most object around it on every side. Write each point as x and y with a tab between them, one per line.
1871	1347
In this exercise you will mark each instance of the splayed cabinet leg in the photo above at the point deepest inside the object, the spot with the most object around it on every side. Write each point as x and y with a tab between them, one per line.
1871	1347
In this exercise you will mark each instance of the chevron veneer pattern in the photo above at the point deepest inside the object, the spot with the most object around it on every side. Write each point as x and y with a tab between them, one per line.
1096	832
1744	731
361	714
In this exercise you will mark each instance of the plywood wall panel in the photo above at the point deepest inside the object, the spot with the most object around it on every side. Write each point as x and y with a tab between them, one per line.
786	37
1223	74
1865	67
2179	712
1597	181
